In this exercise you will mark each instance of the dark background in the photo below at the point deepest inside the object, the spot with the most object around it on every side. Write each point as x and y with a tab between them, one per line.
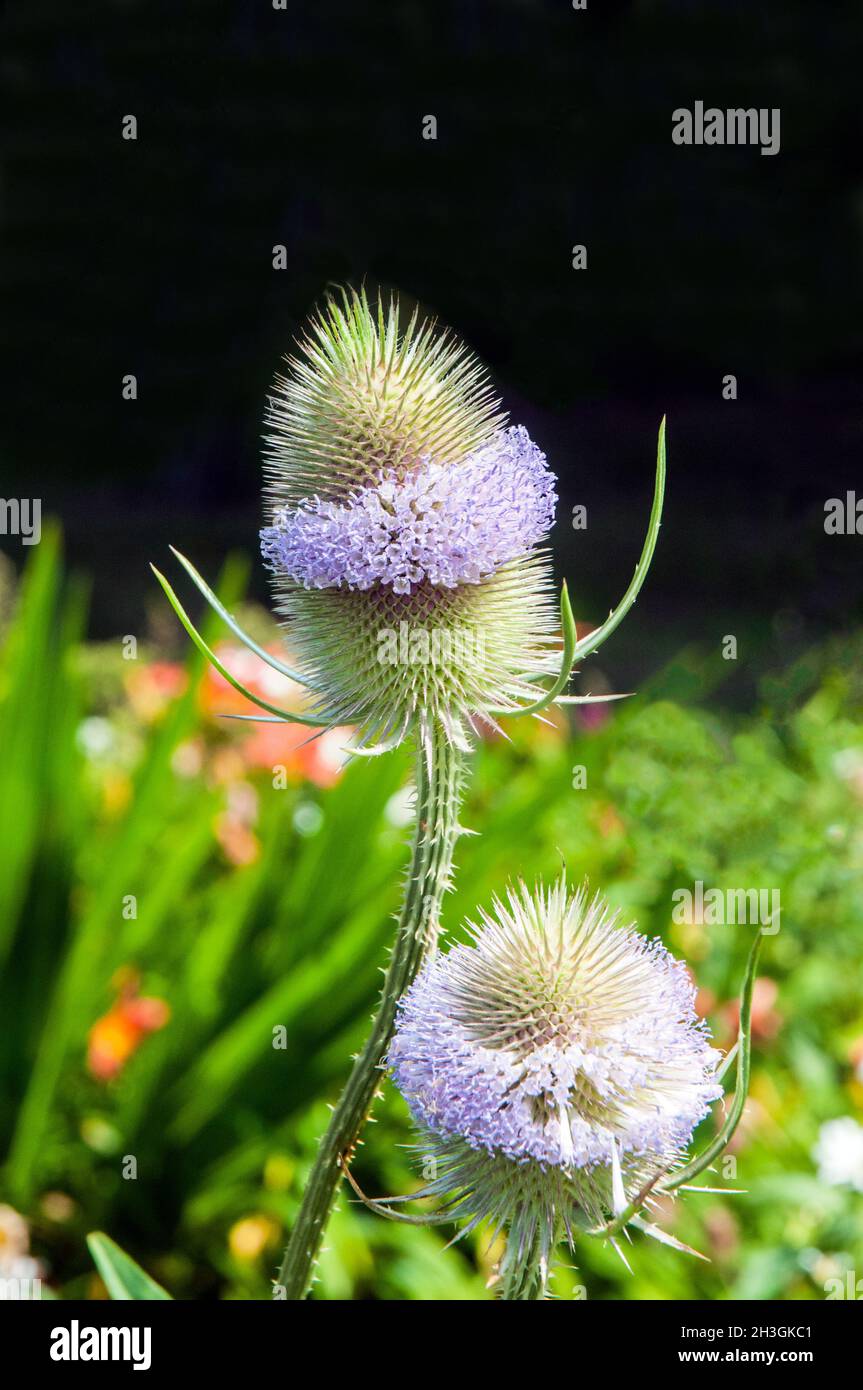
303	127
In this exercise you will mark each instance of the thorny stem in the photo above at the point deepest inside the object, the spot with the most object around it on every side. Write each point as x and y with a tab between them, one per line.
525	1284
439	770
525	1280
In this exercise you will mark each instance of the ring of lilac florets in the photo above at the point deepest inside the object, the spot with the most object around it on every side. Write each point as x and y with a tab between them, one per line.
653	1074
447	524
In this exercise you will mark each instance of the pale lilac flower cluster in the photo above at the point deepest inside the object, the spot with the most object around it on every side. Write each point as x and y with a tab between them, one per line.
556	1045
448	524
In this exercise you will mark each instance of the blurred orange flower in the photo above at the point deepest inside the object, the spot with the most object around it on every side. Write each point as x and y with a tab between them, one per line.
319	760
240	845
151	688
292	747
119	1033
218	696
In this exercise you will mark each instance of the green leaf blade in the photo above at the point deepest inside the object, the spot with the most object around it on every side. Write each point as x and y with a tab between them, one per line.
123	1277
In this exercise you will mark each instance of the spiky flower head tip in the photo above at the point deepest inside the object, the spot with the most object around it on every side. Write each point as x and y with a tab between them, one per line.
404	524
555	1046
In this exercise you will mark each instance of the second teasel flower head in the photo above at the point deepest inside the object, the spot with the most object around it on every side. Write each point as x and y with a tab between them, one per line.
554	1045
405	521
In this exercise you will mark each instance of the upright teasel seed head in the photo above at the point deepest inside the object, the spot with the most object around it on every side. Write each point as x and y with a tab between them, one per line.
404	526
363	395
554	1057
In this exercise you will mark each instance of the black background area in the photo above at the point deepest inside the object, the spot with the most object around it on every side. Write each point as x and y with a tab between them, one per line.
303	127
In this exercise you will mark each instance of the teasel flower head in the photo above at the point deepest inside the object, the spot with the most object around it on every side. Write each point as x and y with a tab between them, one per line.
405	524
554	1064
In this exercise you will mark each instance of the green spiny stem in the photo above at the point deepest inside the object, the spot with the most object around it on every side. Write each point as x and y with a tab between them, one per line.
524	1277
439	771
525	1284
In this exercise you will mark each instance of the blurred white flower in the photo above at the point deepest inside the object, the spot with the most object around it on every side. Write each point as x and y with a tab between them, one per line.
18	1268
399	810
839	1153
95	737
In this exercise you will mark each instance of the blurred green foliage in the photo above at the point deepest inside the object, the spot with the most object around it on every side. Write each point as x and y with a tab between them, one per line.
276	931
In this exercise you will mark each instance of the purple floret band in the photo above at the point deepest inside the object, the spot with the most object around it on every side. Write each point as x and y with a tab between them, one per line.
447	524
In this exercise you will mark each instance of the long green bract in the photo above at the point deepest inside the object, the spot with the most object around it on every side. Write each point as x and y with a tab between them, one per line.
214	661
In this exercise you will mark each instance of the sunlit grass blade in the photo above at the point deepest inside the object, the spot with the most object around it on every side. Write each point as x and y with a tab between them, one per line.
31	672
75	989
220	1069
123	1277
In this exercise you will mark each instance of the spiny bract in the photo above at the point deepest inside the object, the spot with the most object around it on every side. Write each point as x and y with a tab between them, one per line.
555	1044
404	525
